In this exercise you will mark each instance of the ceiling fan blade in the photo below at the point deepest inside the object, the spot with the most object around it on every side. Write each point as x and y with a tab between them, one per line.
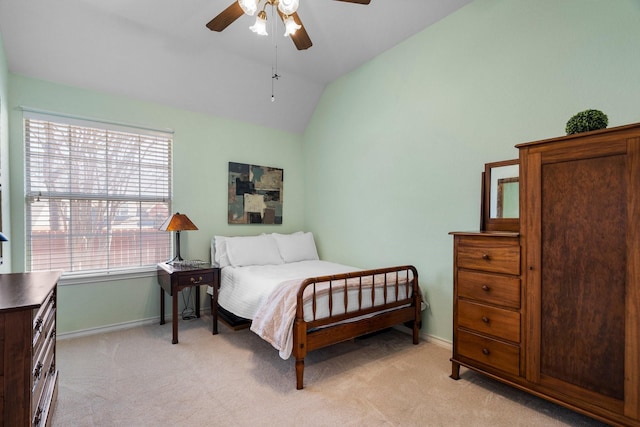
226	17
300	37
356	1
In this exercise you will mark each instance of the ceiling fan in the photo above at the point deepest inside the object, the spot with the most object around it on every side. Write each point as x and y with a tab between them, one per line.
286	9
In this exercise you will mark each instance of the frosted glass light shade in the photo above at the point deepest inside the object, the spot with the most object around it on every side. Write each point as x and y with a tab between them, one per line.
288	7
290	26
249	6
260	26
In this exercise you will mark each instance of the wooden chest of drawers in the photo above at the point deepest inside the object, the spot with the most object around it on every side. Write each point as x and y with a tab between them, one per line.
28	374
487	323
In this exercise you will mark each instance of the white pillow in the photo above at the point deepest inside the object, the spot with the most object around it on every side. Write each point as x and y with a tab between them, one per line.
253	250
220	254
296	247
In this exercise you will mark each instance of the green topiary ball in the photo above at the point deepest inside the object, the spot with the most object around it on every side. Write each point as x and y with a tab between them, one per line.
587	120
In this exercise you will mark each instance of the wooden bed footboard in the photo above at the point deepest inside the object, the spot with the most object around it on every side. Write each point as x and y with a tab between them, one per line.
332	309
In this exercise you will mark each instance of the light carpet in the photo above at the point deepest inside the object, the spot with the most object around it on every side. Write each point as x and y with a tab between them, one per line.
136	377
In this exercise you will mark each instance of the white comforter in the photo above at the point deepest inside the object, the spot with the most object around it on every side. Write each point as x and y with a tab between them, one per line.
244	289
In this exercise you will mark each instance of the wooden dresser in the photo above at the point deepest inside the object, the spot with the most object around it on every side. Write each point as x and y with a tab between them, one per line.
28	374
487	321
555	309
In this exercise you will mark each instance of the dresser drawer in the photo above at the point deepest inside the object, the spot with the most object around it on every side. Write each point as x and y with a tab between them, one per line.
43	315
44	368
489	254
490	288
42	335
42	412
489	320
499	355
42	359
195	279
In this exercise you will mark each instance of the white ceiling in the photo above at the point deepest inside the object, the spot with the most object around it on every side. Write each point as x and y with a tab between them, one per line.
161	51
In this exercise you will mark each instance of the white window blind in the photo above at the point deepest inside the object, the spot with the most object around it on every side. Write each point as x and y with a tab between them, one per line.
96	194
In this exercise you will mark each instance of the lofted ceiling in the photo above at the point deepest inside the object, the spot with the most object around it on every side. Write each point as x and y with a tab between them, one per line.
161	51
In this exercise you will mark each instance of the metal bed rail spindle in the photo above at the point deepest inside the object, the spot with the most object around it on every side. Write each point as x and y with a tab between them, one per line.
373	290
395	287
330	298
313	301
345	296
408	283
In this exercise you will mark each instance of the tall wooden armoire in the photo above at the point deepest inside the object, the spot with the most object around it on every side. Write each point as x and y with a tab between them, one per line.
580	237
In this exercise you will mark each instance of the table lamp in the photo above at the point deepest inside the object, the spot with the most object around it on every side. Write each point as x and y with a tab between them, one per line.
177	222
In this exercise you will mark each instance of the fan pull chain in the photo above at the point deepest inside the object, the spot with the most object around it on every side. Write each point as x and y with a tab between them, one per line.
274	67
275	76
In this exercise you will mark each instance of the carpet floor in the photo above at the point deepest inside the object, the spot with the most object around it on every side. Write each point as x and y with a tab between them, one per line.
136	377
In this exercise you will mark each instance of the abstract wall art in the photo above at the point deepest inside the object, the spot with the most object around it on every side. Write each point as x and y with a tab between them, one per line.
255	194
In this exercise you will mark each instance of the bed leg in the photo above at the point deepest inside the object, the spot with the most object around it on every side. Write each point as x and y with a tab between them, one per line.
299	374
299	350
417	322
214	312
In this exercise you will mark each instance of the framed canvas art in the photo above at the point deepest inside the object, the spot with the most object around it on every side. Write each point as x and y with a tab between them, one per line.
255	194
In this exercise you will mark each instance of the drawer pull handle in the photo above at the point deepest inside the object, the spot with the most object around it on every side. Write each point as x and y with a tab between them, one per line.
486	257
485	319
195	282
38	370
39	322
485	351
486	288
38	417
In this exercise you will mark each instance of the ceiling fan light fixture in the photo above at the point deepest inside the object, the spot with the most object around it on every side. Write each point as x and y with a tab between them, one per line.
288	7
290	26
250	7
260	26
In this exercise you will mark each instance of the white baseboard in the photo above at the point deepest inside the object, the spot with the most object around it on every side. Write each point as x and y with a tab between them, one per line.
439	341
135	323
107	328
120	326
428	338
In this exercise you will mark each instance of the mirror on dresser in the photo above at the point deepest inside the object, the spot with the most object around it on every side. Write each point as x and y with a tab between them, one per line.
500	196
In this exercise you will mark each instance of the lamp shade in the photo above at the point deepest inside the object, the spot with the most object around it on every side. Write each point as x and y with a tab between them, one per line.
178	222
290	26
288	7
260	26
3	238
248	6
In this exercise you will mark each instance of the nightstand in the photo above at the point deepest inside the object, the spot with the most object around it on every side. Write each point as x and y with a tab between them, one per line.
174	278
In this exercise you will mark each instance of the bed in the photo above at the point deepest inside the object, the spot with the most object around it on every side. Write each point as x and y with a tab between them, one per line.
298	303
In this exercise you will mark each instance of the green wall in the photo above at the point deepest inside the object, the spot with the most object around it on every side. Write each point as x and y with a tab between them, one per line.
392	158
203	145
4	160
395	150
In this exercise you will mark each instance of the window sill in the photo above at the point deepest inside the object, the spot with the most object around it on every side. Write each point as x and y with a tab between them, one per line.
107	276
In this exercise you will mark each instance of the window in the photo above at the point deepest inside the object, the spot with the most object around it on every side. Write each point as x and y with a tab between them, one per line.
96	194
